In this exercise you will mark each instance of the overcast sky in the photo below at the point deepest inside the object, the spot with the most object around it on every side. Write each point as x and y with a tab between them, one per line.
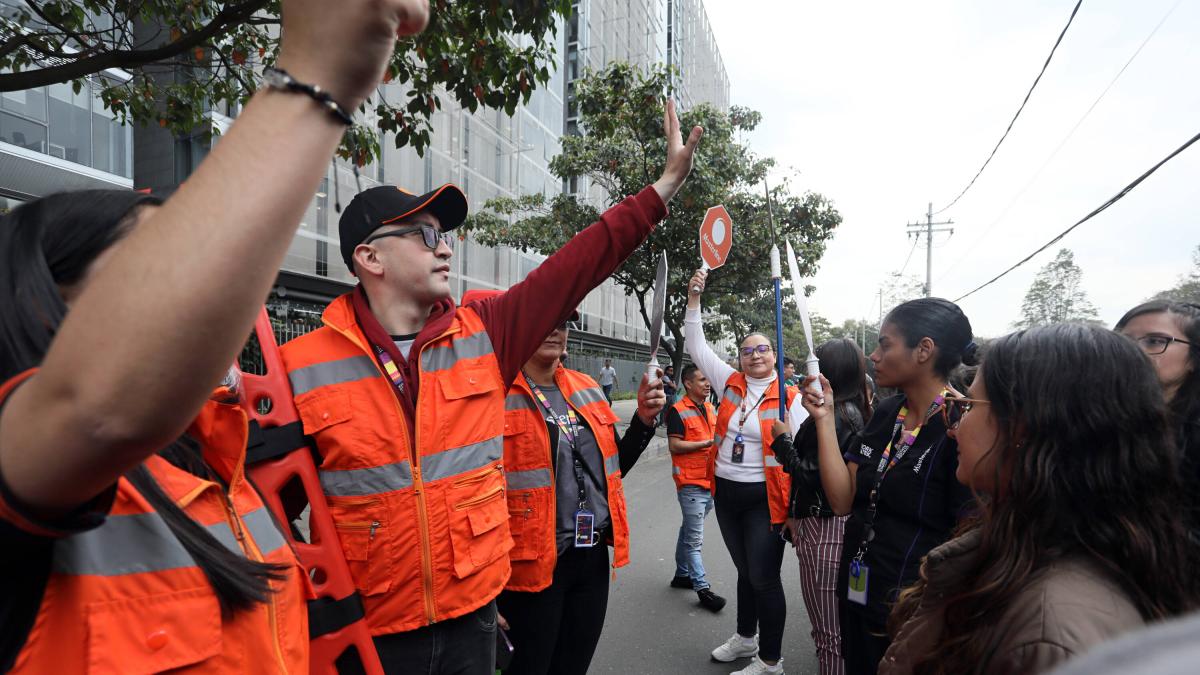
885	106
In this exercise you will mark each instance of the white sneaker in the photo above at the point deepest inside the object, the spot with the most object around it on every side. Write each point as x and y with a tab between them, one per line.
757	667
735	648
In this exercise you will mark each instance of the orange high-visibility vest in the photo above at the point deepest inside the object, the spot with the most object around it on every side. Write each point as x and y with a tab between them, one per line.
529	469
424	529
699	424
126	597
779	483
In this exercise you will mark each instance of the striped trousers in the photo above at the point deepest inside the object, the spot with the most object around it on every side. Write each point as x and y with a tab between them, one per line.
819	548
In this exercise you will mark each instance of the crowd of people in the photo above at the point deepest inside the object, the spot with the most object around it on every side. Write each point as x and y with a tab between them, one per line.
999	518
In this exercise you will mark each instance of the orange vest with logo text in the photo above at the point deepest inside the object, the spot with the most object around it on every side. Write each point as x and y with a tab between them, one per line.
529	470
423	526
126	597
779	483
699	424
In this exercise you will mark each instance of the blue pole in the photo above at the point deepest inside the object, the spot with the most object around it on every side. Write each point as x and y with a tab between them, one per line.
779	341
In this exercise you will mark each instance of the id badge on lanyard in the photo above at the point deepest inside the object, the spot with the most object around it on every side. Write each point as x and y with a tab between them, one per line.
585	529
857	589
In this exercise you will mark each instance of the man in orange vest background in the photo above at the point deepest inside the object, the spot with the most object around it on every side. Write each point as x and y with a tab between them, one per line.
691	425
403	393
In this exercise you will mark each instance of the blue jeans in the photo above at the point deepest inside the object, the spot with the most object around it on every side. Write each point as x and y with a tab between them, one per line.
695	502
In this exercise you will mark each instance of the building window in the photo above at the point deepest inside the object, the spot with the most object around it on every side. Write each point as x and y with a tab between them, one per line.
71	126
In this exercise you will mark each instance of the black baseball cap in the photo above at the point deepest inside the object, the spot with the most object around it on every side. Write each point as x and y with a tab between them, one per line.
387	204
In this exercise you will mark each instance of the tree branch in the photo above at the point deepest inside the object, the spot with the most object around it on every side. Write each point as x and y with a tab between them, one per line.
229	16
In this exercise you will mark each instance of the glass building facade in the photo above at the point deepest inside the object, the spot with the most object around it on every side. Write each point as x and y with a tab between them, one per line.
70	126
487	153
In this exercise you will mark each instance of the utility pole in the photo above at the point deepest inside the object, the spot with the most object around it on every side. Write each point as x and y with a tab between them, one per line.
928	229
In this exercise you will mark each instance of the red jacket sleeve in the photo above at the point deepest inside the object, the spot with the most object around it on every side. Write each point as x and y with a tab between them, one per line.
517	321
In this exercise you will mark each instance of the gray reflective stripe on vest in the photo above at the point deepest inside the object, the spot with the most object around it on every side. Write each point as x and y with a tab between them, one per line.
688	414
352	369
443	357
612	464
732	396
771	461
770	413
518	402
676	470
263	530
527	480
362	482
139	543
587	396
456	461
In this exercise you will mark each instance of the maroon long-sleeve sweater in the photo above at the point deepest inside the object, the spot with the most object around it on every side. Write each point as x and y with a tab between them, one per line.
518	320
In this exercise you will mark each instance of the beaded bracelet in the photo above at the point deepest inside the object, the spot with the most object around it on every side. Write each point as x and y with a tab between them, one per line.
277	78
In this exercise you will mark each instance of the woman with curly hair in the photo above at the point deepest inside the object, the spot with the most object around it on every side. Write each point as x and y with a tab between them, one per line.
1079	536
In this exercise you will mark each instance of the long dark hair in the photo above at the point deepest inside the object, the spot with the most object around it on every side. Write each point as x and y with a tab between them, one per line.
845	366
1091	474
1185	407
941	321
49	244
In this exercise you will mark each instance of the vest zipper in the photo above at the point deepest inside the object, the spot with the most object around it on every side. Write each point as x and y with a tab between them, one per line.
418	483
419	490
491	494
250	550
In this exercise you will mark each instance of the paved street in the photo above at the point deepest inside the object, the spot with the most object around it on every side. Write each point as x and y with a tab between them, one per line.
652	628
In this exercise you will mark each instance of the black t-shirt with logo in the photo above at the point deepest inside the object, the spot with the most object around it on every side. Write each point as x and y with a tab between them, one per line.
920	502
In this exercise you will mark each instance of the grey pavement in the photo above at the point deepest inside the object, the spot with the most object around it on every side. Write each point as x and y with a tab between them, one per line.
652	628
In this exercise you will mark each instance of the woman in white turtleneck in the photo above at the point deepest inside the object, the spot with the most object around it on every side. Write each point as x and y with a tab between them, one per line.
750	488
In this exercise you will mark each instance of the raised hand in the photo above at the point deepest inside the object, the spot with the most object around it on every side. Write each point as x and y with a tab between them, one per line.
696	287
344	49
679	154
819	406
651	399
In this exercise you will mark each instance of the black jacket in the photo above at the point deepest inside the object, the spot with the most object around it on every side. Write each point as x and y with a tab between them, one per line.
800	459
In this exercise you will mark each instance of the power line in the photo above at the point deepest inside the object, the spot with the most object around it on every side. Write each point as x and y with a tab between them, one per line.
1014	119
916	240
992	226
1112	200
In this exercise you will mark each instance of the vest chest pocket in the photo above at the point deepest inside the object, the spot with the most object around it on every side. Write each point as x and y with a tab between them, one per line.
478	514
523	444
153	633
321	411
469	381
364	536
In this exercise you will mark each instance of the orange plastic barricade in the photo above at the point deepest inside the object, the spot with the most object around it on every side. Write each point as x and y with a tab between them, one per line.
335	617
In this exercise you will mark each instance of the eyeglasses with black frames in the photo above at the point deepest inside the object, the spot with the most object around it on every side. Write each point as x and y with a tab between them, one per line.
1157	343
430	235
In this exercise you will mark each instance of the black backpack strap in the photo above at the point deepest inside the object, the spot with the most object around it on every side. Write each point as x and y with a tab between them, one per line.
326	615
264	444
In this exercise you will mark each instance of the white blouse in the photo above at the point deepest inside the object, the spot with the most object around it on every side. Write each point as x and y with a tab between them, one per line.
750	470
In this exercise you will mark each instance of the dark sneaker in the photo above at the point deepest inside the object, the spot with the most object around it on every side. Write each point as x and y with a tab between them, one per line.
710	601
681	582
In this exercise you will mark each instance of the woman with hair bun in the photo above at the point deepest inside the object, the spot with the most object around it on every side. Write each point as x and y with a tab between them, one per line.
898	484
1078	537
